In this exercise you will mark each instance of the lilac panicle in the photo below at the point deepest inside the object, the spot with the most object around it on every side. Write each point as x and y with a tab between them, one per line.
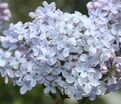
71	52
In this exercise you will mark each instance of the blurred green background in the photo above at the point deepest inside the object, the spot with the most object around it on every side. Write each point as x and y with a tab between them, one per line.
21	8
9	94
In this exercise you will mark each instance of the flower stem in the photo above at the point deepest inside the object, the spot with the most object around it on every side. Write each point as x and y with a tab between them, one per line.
58	98
83	101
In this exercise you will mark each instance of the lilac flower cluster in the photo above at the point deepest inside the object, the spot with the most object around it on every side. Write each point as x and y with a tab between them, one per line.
76	54
106	16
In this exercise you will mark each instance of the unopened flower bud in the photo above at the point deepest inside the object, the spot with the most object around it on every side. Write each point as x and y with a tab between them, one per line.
118	67
104	69
90	5
97	4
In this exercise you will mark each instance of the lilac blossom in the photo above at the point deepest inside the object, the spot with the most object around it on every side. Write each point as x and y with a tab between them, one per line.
71	52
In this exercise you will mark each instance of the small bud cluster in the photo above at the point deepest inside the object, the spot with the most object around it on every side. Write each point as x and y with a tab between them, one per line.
5	15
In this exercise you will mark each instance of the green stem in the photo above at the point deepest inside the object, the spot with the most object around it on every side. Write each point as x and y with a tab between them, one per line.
58	98
83	101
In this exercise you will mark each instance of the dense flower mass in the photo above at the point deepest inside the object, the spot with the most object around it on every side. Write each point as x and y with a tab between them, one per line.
107	17
78	55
